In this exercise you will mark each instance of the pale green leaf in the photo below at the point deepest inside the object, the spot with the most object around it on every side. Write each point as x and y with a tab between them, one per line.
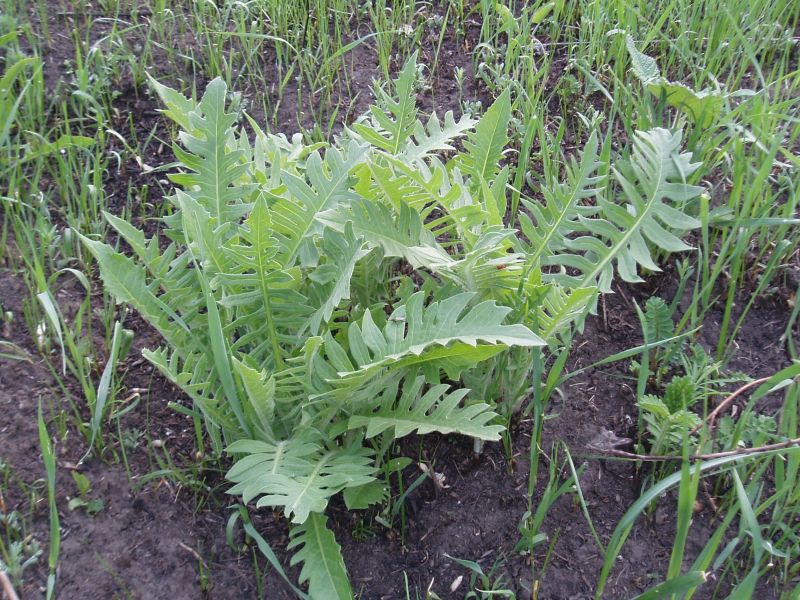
414	330
702	107
364	496
315	546
485	145
433	410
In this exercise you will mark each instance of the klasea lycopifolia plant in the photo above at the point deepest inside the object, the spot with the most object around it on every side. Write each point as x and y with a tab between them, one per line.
319	301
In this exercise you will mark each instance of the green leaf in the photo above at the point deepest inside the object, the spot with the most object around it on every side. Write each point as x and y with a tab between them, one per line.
38	148
702	107
658	323
415	331
487	268
342	251
49	458
294	218
301	495
541	13
402	236
677	585
203	238
134	237
667	428
427	189
269	310
259	256
82	482
485	145
394	118
364	496
315	546
54	318
436	136
8	109
217	166
435	410
654	189
551	221
119	339
194	374
644	67
562	309
125	280
296	474
260	391
178	106
265	548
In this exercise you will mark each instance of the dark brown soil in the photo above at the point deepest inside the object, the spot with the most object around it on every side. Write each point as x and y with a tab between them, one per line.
159	537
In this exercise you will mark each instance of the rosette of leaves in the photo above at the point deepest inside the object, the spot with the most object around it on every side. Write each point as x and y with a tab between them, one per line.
668	420
318	301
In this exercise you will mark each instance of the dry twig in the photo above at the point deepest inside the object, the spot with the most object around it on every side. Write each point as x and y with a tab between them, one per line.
727	402
8	589
696	457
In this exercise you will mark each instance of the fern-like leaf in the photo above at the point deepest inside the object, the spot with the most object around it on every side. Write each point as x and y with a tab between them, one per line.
429	188
260	392
217	166
551	221
177	105
126	281
436	136
433	410
394	118
267	307
259	253
402	236
680	393
561	310
486	268
485	145
653	185
342	252
294	218
658	323
297	475
415	334
315	546
666	428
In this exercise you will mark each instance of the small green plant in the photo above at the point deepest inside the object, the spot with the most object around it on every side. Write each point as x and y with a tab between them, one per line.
765	543
532	521
18	555
670	411
91	506
316	307
666	425
49	458
18	549
481	585
703	108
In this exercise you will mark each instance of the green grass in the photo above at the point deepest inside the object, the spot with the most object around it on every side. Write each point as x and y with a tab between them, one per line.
574	74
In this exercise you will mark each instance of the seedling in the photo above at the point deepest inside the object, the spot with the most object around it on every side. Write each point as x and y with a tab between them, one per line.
91	506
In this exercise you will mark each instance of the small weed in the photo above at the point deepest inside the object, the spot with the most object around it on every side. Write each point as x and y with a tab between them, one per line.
90	506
